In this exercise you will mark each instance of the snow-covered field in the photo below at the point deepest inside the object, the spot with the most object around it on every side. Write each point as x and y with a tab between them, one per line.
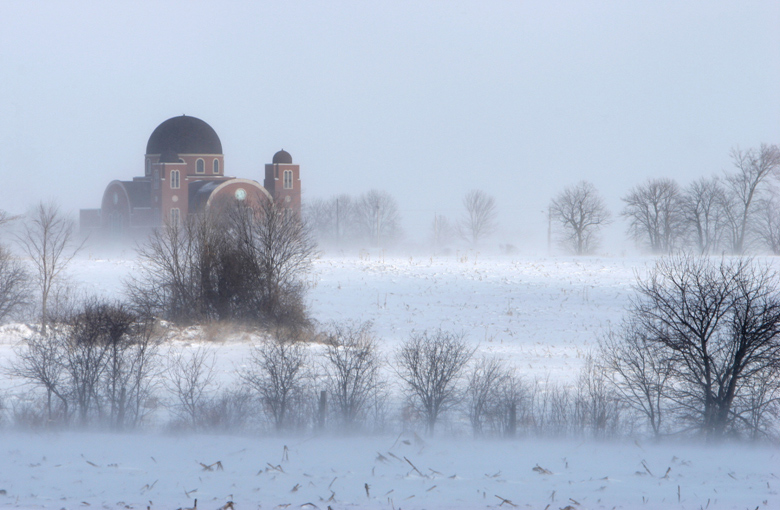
543	315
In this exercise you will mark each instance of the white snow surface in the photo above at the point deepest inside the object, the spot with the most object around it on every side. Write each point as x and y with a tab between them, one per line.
542	314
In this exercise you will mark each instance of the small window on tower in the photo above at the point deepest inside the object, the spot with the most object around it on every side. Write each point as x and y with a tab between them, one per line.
174	179
216	166
288	179
200	166
148	167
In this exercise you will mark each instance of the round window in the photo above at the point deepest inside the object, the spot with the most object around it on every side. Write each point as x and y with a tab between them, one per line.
240	194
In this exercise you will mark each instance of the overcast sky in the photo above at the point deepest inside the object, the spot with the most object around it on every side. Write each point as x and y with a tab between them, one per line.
426	100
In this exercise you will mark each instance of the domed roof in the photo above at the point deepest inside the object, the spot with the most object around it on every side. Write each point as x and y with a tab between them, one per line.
282	158
184	135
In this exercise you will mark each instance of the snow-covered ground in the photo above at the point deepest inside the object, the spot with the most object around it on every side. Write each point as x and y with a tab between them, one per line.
542	314
73	470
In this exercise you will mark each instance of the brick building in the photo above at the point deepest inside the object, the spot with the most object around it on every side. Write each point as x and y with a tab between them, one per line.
184	174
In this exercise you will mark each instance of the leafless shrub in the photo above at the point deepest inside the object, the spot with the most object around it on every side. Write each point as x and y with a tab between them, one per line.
191	382
229	410
757	408
28	412
581	212
479	220
91	337
597	410
93	364
493	396
639	371
431	367
40	361
351	368
130	378
278	374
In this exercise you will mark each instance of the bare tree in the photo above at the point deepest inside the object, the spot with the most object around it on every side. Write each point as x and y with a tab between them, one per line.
39	361
431	366
333	220
442	232
640	371
238	263
278	373
352	371
767	224
654	214
378	217
278	249
131	364
493	394
479	220
191	381
5	218
596	407
745	187
91	335
704	213
581	212
758	406
47	237
719	324
14	285
168	281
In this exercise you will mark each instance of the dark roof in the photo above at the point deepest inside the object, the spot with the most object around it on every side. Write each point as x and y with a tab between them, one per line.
184	135
200	191
282	158
139	193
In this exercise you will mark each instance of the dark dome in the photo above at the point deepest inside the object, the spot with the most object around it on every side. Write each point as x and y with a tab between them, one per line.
168	157
282	158
184	135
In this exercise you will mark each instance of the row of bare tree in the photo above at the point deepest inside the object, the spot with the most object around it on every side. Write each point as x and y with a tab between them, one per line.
733	214
698	354
374	218
96	363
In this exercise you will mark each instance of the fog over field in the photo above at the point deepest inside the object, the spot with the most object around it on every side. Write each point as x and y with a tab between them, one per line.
535	265
424	101
540	315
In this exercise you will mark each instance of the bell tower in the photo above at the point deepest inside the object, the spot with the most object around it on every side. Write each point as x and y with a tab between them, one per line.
283	181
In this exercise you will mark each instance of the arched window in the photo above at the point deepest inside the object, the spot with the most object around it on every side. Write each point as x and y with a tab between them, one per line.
175	216
216	166
174	179
200	166
148	167
288	179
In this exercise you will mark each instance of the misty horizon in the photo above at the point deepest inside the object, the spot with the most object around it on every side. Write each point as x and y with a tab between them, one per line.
427	103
